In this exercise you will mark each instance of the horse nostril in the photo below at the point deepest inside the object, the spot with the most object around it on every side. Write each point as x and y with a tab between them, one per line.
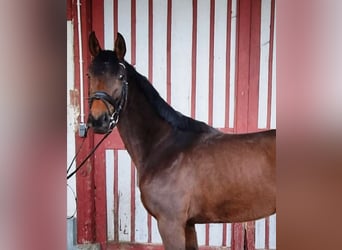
105	118
100	123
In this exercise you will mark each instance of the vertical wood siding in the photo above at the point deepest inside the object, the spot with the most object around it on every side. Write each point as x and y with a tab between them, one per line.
212	60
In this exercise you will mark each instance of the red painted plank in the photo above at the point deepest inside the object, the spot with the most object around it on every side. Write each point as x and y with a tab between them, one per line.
194	58
267	232
250	231
86	231
85	197
270	66
149	228
115	16
100	191
97	21
207	234
150	40
224	234
133	31
254	66
99	163
168	51
132	202
248	65
69	10
237	242
116	197
242	64
211	62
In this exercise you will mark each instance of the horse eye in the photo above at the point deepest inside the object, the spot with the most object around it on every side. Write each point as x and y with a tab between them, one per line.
121	77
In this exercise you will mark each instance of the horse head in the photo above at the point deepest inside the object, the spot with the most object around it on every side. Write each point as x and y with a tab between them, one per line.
108	84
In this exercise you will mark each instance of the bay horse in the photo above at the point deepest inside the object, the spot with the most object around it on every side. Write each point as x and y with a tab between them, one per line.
188	172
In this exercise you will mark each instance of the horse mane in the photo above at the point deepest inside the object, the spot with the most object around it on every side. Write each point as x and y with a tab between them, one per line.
176	119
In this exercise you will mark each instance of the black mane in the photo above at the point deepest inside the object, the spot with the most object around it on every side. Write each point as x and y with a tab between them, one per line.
164	110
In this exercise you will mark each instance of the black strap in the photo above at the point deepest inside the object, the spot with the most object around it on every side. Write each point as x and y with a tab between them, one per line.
101	95
88	156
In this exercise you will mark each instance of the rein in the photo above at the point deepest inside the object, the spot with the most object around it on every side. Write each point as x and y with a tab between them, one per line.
114	118
88	156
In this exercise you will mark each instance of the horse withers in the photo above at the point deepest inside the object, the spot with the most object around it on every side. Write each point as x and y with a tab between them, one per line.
188	172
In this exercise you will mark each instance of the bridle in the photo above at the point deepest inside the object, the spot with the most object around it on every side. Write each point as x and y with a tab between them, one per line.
118	106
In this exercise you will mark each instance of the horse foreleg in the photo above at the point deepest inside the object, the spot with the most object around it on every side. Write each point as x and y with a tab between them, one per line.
172	234
191	238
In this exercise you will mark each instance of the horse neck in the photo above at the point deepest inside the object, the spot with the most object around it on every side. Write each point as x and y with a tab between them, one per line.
141	129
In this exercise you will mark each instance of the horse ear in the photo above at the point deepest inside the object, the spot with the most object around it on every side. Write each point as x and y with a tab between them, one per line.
94	45
120	47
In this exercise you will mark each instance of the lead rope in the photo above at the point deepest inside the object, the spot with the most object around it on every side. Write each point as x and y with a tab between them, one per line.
88	156
73	159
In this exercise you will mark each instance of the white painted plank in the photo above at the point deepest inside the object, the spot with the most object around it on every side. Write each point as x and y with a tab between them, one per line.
142	37
181	34
219	86
124	25
109	156
232	66
215	234
156	238
72	114
108	24
260	234
159	46
229	234
202	64
273	232
124	194
264	62
200	230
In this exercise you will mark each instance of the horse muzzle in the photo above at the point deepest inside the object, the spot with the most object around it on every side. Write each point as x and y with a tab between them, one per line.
101	124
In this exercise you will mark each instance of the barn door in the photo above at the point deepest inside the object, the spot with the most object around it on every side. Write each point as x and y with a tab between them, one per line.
211	60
